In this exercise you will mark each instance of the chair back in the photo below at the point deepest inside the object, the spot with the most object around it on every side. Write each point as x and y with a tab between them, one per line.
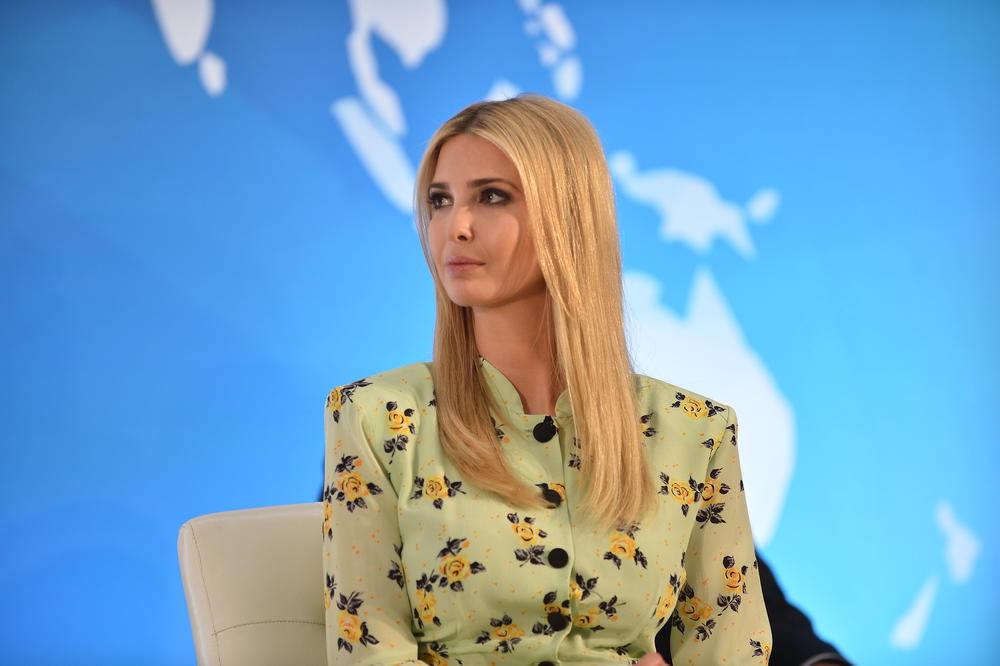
253	580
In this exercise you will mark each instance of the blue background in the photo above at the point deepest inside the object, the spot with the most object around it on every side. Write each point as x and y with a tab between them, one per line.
184	277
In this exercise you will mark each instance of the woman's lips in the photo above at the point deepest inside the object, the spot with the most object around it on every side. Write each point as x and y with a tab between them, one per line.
459	268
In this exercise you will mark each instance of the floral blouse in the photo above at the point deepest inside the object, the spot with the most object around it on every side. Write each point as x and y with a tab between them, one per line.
422	567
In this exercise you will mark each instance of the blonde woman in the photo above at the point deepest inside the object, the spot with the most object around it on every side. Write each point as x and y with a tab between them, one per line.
527	498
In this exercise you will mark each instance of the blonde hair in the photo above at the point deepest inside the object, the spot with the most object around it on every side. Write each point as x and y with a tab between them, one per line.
570	202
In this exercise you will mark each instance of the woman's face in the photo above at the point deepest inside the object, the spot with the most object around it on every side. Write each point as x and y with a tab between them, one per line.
478	230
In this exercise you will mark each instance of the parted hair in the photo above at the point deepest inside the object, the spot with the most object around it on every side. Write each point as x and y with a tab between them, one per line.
571	209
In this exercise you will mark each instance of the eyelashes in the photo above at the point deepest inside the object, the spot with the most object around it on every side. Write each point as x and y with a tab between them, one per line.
491	196
434	200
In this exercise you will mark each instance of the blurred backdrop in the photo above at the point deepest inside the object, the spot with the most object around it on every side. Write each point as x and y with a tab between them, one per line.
205	225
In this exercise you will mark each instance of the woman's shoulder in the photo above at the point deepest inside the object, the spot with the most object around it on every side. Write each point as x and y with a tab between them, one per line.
654	392
407	384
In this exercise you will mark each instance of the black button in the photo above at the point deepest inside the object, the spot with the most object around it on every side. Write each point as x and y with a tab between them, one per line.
552	495
545	429
546	663
558	558
558	621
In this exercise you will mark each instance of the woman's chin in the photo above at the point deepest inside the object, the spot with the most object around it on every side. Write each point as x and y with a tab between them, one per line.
468	298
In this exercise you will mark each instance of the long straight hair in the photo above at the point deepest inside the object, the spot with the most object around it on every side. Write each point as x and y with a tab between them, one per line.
570	202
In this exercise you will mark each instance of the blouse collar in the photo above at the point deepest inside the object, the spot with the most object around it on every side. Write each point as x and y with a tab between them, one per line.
508	397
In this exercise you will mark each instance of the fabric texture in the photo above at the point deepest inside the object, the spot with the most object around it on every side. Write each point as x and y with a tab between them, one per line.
422	567
793	640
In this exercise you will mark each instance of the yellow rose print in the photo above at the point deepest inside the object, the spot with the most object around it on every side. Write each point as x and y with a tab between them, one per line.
399	422
557	614
694	408
435	654
351	487
436	488
549	609
761	650
734	580
400	427
527	534
553	493
684	493
426	604
507	631
504	632
433	659
665	605
327	520
351	627
691	611
695	610
622	545
667	600
712	487
454	567
588	620
735	583
557	488
336	398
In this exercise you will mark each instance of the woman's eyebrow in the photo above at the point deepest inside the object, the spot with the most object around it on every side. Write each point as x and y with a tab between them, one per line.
479	182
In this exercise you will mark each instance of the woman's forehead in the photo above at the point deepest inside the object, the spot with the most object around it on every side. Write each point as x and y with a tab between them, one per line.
467	157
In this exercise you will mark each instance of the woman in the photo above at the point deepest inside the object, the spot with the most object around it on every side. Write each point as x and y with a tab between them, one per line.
527	498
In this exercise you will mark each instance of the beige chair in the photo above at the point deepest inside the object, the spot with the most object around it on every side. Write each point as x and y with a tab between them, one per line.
253	580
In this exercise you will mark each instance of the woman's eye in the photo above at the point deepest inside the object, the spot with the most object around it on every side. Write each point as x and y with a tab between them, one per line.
493	196
437	200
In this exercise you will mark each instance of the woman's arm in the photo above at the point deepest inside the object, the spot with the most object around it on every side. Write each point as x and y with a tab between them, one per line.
720	615
367	606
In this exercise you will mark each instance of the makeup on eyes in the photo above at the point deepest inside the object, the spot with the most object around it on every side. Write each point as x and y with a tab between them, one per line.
434	199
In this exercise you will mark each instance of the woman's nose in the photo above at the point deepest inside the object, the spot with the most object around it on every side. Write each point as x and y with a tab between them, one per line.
462	223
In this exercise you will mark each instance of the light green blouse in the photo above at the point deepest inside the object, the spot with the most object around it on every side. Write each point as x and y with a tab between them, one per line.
422	567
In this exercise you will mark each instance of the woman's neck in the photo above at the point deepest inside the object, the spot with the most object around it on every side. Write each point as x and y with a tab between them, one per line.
516	338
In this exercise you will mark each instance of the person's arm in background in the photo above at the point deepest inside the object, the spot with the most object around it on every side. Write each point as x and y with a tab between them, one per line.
368	612
795	641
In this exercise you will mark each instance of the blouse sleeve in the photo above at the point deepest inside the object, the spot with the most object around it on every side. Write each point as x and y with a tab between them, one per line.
720	615
367	606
